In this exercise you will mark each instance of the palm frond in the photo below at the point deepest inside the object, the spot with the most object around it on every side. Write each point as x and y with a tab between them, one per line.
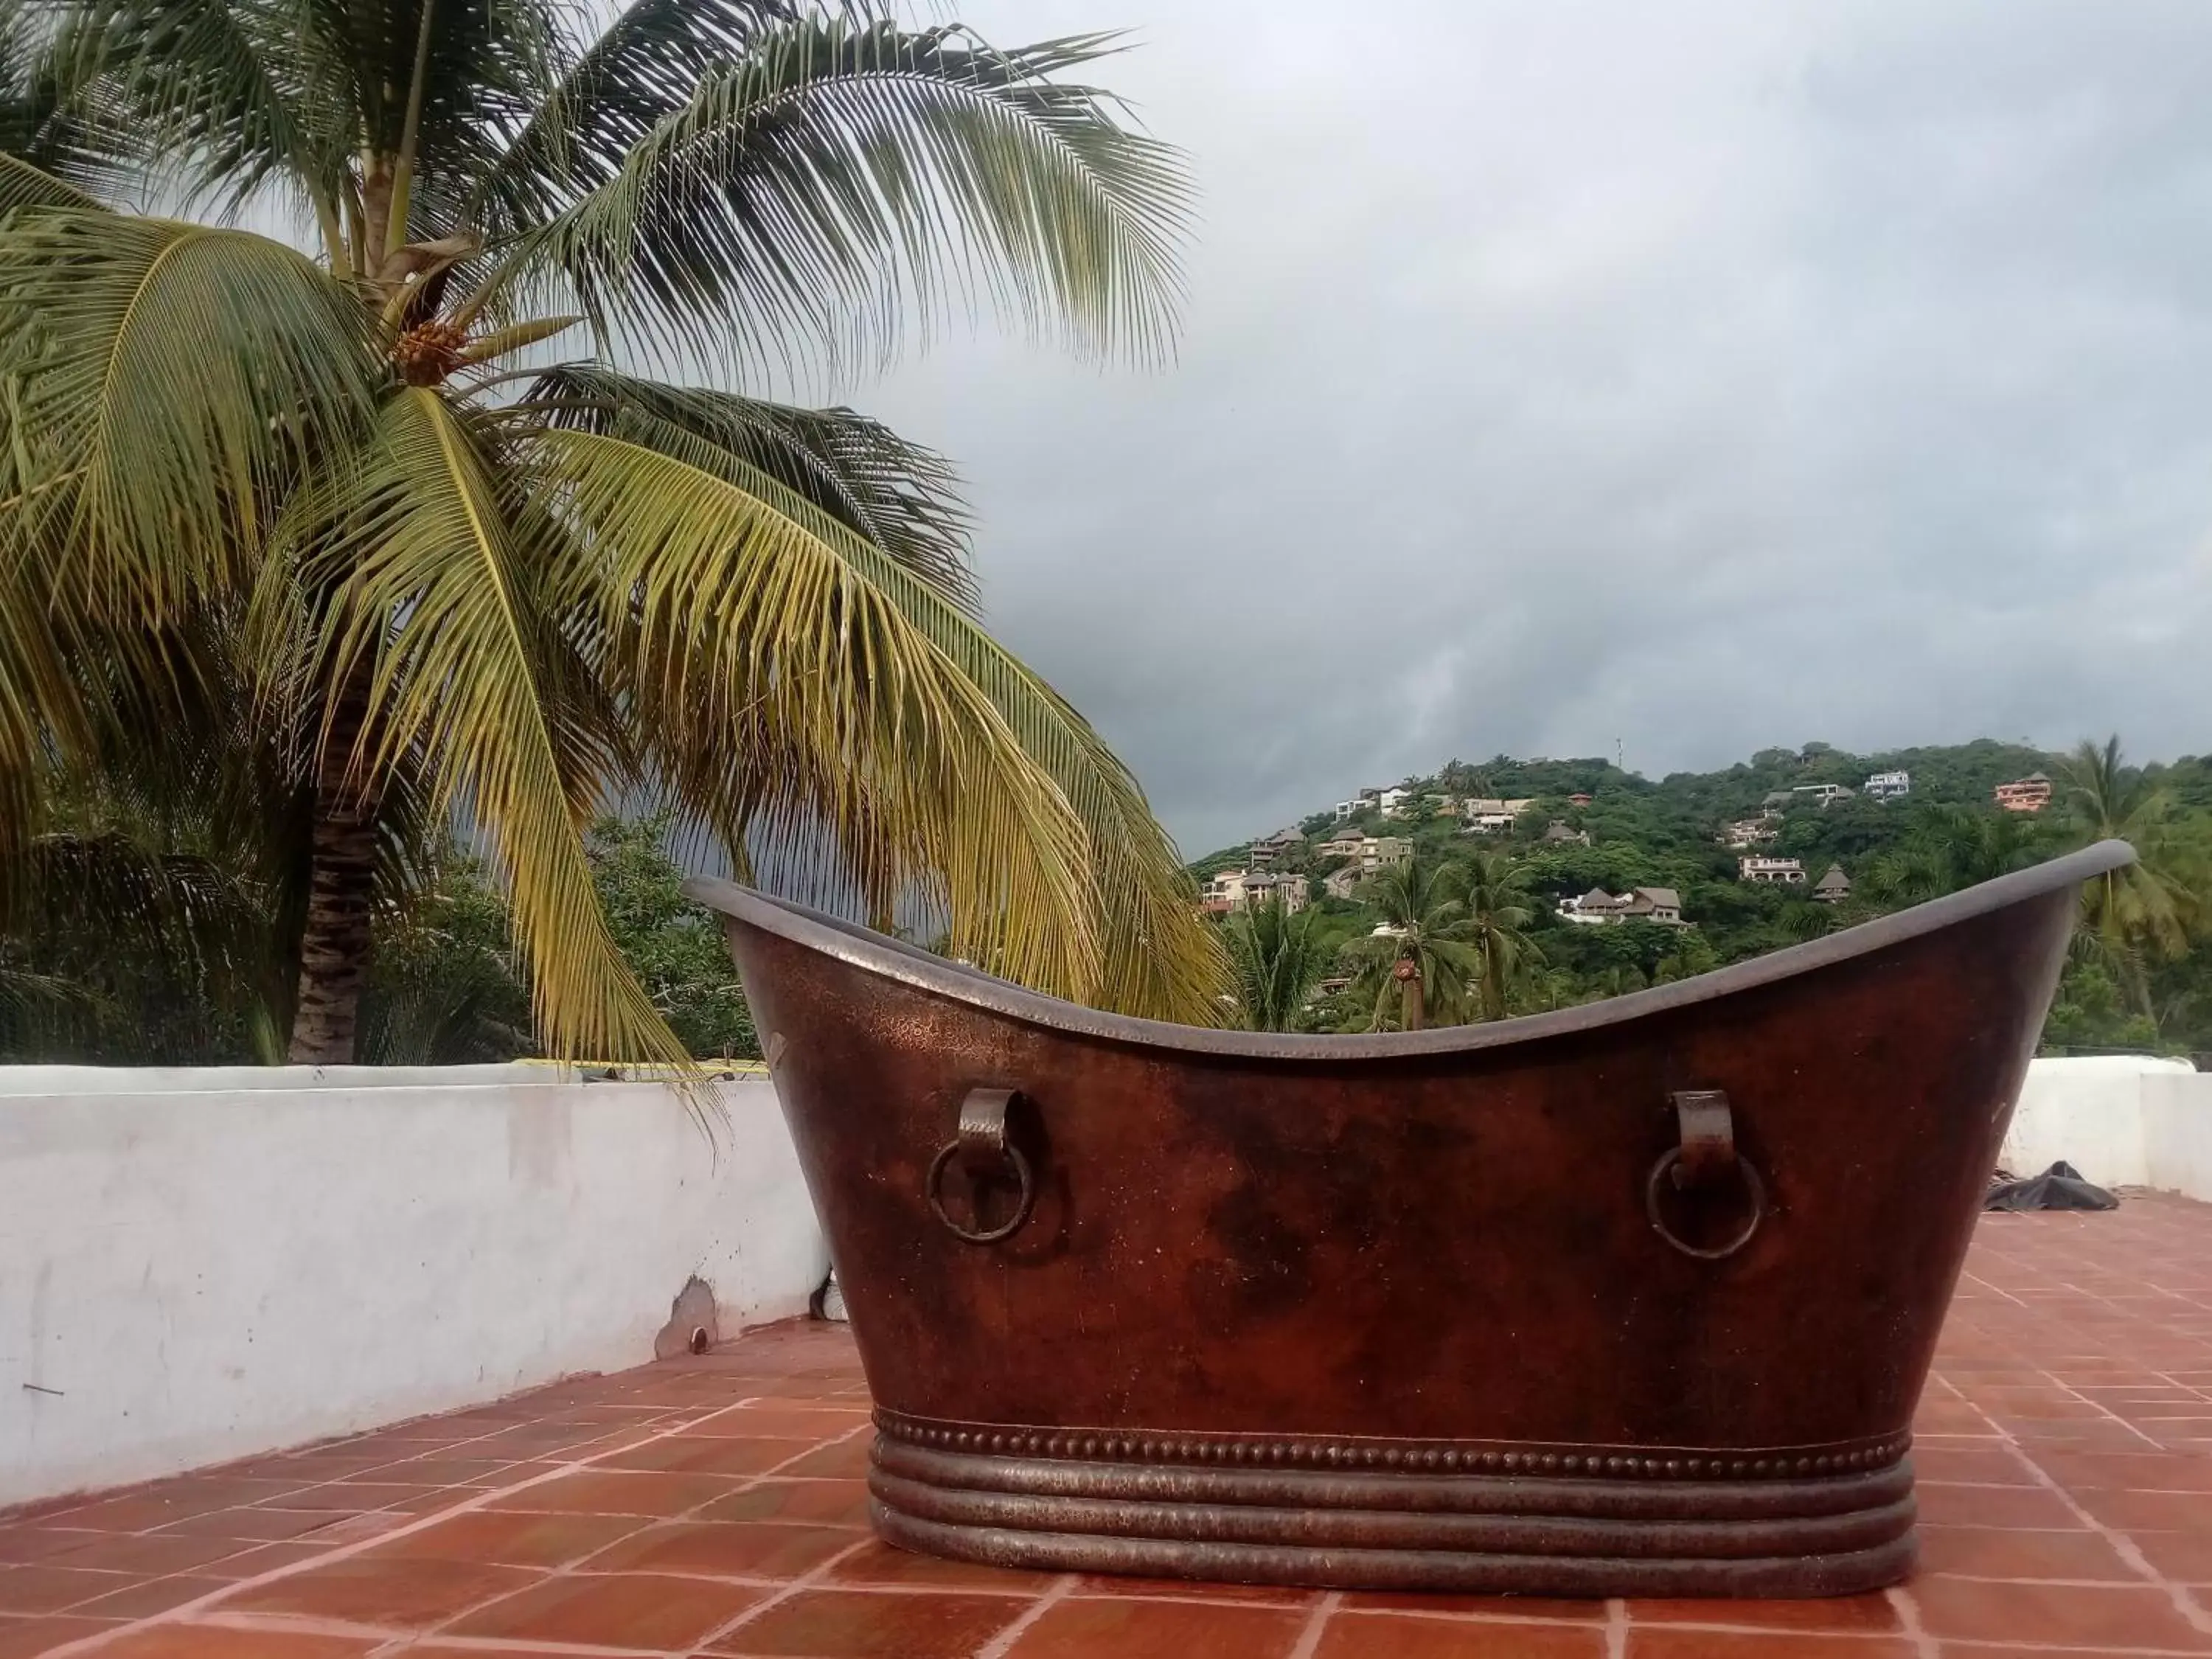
448	591
1158	957
163	382
212	98
846	176
50	155
900	496
1277	959
773	675
640	70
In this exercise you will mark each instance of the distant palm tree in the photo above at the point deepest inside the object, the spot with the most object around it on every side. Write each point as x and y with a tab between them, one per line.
1949	847
1617	980
1804	918
439	587
1425	958
2146	911
1499	910
1277	959
1691	957
1461	777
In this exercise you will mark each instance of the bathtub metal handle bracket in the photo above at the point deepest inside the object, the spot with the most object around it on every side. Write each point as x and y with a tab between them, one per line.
1707	1131
984	1150
1705	1158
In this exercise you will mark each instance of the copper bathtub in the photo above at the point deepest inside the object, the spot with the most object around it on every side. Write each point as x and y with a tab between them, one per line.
1631	1299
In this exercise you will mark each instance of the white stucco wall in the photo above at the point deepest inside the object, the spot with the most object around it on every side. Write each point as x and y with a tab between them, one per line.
2122	1121
203	1264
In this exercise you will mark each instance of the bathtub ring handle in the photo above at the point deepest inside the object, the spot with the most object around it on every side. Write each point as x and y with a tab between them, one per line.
982	1142
1753	1187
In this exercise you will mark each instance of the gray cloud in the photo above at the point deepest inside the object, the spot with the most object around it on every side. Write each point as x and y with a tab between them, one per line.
1702	376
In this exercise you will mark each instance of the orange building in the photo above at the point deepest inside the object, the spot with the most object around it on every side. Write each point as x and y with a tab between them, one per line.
2031	794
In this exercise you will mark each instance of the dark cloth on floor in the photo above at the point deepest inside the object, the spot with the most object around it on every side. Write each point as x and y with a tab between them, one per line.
2058	1188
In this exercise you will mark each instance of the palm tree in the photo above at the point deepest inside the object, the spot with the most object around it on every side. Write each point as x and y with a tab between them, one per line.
1277	959
293	502
2146	911
1951	846
1423	958
1499	910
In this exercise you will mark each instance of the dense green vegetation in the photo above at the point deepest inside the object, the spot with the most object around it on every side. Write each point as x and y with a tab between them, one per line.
188	972
2139	975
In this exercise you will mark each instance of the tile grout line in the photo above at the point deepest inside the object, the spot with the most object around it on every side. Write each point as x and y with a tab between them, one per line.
2184	1601
392	1642
444	1449
567	1570
814	1575
2077	1394
999	1645
2166	1377
1616	1627
1317	1621
1993	1289
183	1611
1908	1618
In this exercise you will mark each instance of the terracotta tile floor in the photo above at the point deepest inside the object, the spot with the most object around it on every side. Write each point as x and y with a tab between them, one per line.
715	1506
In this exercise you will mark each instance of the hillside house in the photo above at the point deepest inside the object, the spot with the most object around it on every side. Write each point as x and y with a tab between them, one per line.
1834	887
1487	815
1242	889
1749	832
1823	795
1265	887
1369	853
1788	872
1598	908
1384	853
1268	848
1887	786
1224	891
1365	801
1578	799
2031	794
1561	834
1343	843
1395	802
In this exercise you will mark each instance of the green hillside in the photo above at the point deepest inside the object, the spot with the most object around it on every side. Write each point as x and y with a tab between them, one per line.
2141	977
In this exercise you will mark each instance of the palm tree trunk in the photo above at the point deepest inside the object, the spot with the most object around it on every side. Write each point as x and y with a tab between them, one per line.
341	877
1415	994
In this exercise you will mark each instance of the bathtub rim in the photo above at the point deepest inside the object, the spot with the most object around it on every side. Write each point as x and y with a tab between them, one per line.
886	957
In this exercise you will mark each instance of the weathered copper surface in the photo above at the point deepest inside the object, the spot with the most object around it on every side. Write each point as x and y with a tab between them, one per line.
1634	1298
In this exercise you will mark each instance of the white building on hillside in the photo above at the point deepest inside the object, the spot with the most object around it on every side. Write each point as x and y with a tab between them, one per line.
1822	794
1242	889
1887	786
1749	832
1365	801
1789	871
1486	814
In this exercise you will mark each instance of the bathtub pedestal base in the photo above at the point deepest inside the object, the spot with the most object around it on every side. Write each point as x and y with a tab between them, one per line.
1378	1515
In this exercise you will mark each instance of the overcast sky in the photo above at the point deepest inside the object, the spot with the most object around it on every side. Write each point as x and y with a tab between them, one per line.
1702	376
